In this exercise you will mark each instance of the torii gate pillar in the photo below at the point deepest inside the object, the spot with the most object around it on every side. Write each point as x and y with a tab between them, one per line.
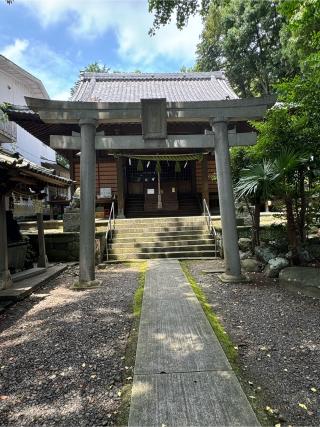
226	200
87	203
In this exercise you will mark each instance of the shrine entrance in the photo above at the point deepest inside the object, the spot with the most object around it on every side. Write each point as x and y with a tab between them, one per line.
162	185
164	127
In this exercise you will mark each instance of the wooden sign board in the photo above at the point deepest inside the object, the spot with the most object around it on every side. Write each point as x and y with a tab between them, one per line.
154	118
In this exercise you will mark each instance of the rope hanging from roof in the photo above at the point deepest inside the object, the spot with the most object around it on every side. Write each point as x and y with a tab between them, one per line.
162	157
140	166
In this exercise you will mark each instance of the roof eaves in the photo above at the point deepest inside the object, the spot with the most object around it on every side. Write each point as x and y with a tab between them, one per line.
150	76
14	160
16	71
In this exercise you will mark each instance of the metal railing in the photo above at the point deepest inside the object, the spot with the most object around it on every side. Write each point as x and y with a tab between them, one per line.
209	222
110	229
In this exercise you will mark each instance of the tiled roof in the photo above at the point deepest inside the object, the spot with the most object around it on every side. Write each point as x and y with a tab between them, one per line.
132	87
28	168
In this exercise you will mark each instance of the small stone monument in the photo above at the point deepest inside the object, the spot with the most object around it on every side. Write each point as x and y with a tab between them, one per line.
71	216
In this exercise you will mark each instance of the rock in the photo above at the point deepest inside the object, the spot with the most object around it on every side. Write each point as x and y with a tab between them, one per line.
305	256
274	266
279	245
71	220
314	250
301	279
314	230
245	255
288	255
245	244
240	221
251	265
264	253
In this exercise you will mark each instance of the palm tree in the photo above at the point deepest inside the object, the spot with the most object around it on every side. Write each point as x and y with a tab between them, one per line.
256	185
274	178
290	166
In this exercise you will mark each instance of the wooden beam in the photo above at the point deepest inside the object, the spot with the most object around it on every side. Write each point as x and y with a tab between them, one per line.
136	142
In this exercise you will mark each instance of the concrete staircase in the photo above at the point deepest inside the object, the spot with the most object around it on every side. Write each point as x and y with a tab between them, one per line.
173	237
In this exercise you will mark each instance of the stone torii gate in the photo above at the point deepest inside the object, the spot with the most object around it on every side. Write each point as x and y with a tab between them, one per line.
153	115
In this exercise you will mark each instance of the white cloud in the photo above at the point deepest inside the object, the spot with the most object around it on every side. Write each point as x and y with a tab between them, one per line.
16	50
130	20
56	72
126	20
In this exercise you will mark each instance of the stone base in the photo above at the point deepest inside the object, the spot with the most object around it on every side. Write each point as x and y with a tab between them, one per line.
5	280
17	252
71	220
229	278
80	286
40	262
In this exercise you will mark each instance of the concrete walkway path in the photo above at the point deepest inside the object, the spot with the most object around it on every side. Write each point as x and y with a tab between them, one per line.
182	376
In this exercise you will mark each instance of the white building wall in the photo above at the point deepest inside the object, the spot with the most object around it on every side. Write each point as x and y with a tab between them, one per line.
13	91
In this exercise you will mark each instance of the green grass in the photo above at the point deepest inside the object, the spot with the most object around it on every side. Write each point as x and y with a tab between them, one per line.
223	337
123	413
266	419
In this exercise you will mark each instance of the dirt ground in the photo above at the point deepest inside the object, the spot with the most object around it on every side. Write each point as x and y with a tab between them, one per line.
62	352
277	334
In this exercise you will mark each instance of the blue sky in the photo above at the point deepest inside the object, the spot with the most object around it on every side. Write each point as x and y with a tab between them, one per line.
54	39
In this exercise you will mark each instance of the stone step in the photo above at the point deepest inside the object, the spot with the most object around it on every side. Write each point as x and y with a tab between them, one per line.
171	219
155	215
27	274
138	240
26	286
161	236
166	237
139	237
171	224
164	243
153	249
152	255
156	230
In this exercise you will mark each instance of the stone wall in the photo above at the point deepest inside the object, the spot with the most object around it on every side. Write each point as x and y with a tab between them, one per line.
64	247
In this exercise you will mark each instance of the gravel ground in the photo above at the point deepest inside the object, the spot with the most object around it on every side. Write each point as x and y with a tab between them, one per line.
278	337
62	352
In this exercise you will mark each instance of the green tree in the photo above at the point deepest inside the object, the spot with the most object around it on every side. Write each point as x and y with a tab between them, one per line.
296	122
301	34
163	11
240	36
279	178
243	38
96	67
255	186
185	69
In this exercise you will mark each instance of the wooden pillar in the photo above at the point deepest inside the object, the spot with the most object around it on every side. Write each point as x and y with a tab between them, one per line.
51	211
42	260
5	277
71	164
205	178
120	187
193	177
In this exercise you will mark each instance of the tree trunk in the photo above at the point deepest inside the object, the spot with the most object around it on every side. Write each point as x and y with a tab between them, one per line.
292	232
303	208
256	224
252	214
